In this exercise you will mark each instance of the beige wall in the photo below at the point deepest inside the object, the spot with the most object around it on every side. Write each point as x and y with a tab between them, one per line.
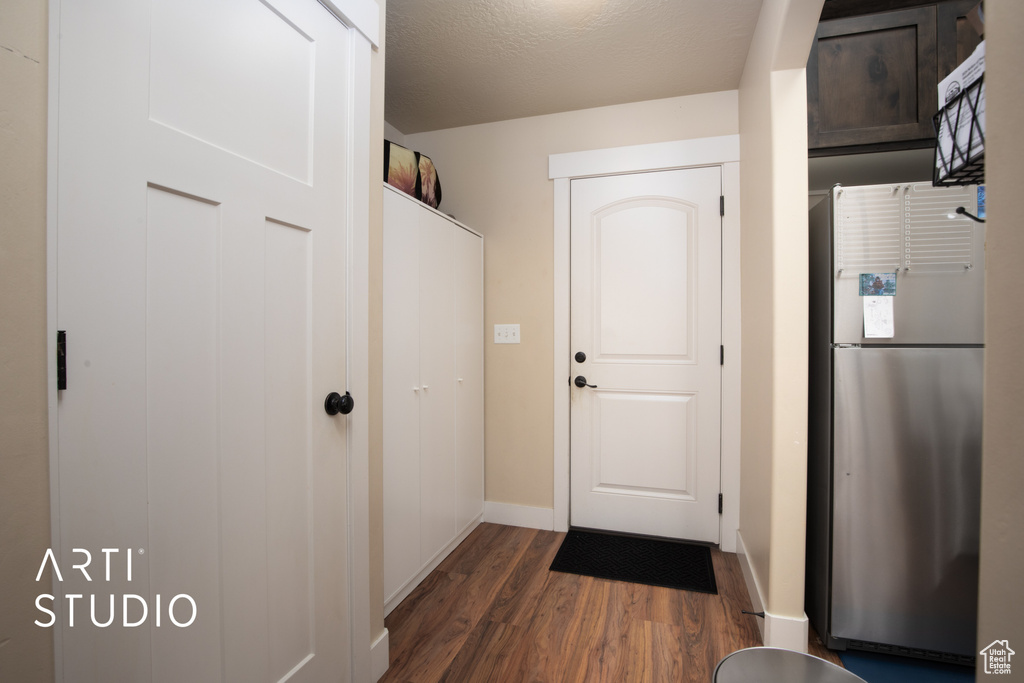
375	401
773	168
494	178
1001	595
26	651
393	134
757	305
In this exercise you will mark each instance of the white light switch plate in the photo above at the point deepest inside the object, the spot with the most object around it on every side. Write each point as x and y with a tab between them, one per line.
506	334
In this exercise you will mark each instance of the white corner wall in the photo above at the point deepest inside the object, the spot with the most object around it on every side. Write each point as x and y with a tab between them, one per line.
26	651
393	134
375	395
773	133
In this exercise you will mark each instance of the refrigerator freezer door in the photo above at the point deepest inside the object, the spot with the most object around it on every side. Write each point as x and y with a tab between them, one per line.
907	473
938	261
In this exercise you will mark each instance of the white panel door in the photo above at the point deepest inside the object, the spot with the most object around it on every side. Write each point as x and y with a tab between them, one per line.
469	370
437	384
201	279
646	314
401	392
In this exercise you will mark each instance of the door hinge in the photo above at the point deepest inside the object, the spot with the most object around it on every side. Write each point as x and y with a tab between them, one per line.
721	355
62	360
719	503
721	205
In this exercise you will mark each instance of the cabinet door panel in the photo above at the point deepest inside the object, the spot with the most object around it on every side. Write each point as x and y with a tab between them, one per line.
872	79
437	378
401	400
469	366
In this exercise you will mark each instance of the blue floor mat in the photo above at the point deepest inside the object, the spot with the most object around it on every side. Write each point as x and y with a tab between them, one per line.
874	667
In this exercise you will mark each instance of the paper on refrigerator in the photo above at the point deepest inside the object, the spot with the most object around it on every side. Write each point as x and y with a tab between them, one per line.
961	114
878	317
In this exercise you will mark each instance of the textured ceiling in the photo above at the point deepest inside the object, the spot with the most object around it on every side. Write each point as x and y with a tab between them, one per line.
459	62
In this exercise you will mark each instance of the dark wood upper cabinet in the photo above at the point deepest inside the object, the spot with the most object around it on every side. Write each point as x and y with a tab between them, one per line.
871	79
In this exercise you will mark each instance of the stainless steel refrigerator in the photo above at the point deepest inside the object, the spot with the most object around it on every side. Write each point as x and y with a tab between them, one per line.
895	411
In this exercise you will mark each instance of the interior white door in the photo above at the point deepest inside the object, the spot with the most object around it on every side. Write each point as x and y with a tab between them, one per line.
646	314
469	370
438	503
201	280
401	380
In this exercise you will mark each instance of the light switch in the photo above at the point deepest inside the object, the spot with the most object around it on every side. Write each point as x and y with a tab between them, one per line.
506	334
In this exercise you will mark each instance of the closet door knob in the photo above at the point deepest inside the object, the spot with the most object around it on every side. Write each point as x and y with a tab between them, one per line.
581	382
336	403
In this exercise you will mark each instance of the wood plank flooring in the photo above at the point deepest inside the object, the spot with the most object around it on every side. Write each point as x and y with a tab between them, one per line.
492	611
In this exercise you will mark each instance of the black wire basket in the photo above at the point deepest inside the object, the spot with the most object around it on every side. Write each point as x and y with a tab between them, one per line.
961	160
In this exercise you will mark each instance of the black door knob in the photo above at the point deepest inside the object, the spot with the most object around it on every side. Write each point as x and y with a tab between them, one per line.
336	403
580	356
581	382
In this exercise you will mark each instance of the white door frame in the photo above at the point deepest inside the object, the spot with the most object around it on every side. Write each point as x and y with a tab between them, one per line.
362	17
721	151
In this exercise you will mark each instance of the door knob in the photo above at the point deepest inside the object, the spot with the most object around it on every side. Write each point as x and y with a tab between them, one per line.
581	382
336	403
580	356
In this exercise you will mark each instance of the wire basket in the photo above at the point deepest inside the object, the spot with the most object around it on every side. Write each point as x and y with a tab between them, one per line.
960	138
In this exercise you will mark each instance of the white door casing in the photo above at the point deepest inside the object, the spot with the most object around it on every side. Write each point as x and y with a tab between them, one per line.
646	313
207	203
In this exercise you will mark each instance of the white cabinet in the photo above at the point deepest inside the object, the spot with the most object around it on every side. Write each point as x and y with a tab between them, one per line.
469	381
433	389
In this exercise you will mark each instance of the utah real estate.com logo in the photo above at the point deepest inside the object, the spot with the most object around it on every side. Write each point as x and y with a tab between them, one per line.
997	657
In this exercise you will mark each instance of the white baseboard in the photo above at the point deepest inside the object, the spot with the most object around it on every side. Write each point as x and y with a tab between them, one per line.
409	586
379	656
790	633
753	589
519	515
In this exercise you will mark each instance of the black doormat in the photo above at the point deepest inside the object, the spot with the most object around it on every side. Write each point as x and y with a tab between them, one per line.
637	559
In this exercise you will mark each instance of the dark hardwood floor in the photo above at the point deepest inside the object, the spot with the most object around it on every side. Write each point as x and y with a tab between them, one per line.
492	611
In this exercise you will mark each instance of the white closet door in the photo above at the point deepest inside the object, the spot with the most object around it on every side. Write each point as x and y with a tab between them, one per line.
469	367
437	381
433	389
401	392
203	171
